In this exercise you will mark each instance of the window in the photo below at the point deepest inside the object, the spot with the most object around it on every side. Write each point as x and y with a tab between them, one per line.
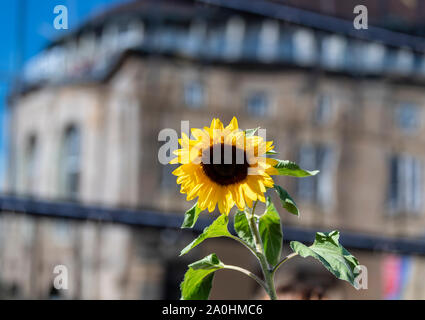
195	38
399	61
318	189
235	30
405	60
304	47
405	184
323	110
169	38
133	36
30	165
109	40
375	53
70	163
333	50
269	39
258	104
215	43
194	94
408	117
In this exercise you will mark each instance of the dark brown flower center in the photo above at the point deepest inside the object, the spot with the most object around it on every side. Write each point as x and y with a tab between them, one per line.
228	166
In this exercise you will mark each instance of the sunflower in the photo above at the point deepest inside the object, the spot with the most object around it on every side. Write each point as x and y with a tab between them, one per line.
224	166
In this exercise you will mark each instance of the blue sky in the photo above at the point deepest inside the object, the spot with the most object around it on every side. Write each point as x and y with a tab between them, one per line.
35	18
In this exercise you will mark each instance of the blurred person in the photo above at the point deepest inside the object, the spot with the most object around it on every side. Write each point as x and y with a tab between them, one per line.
303	284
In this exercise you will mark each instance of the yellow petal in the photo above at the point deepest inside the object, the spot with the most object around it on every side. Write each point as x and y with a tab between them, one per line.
174	161
216	124
233	125
249	193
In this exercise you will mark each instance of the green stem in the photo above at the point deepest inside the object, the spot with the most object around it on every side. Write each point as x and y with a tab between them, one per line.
248	273
246	245
288	257
266	269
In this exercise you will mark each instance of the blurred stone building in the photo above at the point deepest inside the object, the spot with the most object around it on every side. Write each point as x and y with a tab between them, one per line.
86	189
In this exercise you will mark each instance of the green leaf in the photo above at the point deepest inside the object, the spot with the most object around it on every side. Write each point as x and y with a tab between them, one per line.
271	233
242	229
191	216
288	168
217	229
251	132
331	254
198	279
287	202
209	262
271	152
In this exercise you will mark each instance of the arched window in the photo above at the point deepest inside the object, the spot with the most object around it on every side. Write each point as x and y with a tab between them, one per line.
30	171
70	163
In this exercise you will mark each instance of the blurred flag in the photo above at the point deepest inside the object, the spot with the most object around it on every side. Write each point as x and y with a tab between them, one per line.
395	271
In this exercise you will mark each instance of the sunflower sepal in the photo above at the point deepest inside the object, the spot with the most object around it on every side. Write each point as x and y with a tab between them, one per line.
251	132
271	152
191	216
